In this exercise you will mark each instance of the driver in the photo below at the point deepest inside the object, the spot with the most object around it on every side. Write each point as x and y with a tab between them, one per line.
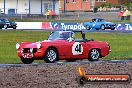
64	35
72	37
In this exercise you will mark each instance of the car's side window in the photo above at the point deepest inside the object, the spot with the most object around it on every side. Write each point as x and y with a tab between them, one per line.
94	20
99	20
2	20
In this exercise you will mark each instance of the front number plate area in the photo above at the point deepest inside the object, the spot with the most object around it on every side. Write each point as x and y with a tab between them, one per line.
27	55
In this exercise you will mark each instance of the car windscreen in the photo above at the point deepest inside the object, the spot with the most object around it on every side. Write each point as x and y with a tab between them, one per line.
59	35
4	20
102	20
53	36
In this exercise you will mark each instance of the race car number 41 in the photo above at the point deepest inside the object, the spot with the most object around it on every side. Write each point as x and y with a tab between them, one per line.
77	48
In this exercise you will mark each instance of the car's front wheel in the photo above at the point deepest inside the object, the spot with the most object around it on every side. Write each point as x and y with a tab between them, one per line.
27	60
88	27
102	27
94	55
51	55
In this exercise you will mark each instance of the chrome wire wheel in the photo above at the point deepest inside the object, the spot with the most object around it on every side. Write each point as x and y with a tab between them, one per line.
94	55
51	55
102	27
5	26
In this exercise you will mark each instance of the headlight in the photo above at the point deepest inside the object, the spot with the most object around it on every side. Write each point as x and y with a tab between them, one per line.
39	45
17	46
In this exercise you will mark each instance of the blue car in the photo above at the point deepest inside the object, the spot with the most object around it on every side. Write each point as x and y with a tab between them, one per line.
99	23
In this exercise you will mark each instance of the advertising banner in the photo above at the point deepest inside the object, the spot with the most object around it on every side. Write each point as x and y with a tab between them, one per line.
64	26
79	26
124	26
29	25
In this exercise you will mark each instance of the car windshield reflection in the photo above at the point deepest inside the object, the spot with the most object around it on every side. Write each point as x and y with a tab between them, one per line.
59	35
4	20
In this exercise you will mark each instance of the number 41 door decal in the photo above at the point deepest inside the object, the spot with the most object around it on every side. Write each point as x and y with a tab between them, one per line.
77	48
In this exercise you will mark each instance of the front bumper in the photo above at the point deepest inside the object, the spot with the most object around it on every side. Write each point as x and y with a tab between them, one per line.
31	53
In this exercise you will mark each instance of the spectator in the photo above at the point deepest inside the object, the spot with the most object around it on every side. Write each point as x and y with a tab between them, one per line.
127	14
120	15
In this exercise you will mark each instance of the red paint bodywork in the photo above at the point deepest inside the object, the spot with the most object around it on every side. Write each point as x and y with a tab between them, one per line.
64	48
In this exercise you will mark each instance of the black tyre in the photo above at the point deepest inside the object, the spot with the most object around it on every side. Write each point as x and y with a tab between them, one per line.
27	60
112	28
5	26
14	27
94	55
97	28
88	27
102	27
51	55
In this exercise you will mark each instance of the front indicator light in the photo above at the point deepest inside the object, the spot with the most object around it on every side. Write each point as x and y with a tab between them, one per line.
39	45
39	51
17	46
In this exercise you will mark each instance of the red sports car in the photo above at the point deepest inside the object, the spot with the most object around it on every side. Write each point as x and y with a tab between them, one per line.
63	45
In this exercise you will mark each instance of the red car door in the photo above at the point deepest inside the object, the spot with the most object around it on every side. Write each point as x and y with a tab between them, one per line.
74	49
79	50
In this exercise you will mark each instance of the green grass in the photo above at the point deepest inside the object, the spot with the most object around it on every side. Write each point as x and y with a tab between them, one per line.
121	44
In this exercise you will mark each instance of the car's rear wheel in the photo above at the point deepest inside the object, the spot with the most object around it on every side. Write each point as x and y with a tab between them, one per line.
112	28
27	60
14	27
5	26
51	55
94	55
102	27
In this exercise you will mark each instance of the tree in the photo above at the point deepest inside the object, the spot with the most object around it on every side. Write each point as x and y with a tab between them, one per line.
120	1
129	1
124	1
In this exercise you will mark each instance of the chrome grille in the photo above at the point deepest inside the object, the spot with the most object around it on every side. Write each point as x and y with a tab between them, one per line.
29	50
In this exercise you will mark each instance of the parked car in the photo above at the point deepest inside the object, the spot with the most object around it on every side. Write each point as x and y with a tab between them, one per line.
5	23
62	45
99	23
